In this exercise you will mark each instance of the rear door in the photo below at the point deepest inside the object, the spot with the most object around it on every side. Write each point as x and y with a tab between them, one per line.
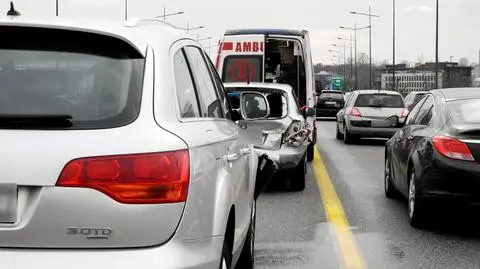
242	58
234	159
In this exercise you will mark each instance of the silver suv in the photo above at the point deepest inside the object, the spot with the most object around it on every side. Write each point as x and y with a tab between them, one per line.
119	150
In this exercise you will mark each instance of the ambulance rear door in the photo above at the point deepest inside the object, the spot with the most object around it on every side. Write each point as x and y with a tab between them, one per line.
241	58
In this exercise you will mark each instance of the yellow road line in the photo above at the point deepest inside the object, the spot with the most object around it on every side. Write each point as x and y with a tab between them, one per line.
349	252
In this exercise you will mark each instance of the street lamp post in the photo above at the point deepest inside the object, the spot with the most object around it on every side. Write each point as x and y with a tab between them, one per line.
165	15
209	42
188	29
370	15
56	8
436	51
126	10
344	58
355	29
339	60
351	55
394	82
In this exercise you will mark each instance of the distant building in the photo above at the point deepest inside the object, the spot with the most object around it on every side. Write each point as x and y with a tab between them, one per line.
411	81
422	77
476	76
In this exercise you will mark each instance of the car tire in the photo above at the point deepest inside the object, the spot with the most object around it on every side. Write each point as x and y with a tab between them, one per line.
298	175
226	260
247	257
310	152
390	191
347	137
339	135
416	210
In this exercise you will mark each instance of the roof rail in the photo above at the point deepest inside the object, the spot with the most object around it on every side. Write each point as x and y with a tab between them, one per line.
134	22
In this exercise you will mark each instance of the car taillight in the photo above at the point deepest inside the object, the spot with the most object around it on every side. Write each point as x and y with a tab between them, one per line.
404	113
295	134
353	112
217	61
152	178
452	148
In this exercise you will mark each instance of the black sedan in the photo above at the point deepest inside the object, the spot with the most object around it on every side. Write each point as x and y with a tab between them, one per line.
329	103
435	156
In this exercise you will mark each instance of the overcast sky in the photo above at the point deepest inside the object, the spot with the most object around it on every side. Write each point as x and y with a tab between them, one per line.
459	21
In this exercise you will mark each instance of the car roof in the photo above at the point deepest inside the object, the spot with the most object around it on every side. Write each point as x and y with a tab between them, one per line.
267	32
377	92
136	31
451	94
259	85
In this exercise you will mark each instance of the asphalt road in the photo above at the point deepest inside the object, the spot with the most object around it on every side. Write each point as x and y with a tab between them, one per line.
293	231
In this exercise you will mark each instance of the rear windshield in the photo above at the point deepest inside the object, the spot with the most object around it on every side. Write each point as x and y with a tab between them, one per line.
243	69
332	95
379	100
94	79
465	111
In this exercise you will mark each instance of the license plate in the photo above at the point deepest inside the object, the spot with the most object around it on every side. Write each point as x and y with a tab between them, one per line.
381	124
8	203
330	103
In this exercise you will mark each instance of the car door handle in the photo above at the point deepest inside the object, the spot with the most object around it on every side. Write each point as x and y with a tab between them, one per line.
245	151
231	157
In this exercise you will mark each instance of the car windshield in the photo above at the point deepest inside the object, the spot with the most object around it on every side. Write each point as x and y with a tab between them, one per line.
465	111
97	84
379	100
332	95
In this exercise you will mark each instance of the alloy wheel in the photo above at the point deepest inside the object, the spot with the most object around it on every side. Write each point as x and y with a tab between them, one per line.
411	196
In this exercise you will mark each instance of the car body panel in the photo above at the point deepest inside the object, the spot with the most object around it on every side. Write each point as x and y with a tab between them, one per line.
218	186
173	255
272	129
373	122
439	178
329	106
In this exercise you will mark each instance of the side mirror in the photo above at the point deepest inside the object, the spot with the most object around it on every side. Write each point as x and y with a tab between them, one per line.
254	106
309	112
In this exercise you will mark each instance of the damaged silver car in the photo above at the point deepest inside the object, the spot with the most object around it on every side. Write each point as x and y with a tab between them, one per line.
284	133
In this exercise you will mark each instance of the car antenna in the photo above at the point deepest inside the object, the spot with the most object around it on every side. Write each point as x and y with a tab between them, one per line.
12	11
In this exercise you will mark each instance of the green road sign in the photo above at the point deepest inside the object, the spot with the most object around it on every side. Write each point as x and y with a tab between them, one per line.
338	82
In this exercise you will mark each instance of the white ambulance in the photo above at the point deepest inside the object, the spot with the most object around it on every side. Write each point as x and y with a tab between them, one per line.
271	55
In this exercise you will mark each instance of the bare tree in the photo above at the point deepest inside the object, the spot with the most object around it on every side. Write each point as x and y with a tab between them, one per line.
463	61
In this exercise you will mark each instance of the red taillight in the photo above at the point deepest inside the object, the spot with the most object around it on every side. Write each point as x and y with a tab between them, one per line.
152	178
354	112
217	61
404	113
452	148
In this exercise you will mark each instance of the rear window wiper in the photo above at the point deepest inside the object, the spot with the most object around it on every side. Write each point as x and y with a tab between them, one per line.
35	121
